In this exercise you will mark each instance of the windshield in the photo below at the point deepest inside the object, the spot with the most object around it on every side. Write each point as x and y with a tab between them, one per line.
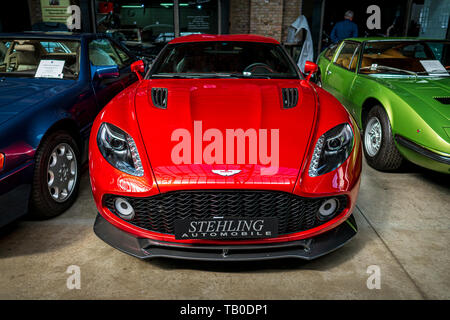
224	59
39	58
406	57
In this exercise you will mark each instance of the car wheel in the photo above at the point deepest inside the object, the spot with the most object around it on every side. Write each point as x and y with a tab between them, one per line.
56	176
379	147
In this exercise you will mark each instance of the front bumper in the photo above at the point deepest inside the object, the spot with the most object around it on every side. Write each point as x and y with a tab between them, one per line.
15	188
423	156
306	249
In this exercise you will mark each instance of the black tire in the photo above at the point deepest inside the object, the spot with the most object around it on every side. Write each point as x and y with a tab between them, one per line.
388	158
42	204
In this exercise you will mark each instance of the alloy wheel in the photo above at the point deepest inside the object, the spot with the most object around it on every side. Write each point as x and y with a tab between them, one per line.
62	171
373	136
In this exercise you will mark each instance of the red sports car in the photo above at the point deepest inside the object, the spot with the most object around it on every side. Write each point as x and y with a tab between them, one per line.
225	151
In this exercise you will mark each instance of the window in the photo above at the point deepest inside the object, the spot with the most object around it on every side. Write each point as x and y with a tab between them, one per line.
101	53
347	55
125	58
22	57
404	57
225	59
354	60
55	47
329	53
198	17
441	50
145	27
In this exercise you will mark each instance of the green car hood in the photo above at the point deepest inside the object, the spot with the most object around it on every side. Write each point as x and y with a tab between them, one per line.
422	92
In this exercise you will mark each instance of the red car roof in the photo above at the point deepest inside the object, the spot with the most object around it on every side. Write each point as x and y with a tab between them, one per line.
226	37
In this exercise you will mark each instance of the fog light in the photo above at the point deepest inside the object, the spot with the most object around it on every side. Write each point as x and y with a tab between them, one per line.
124	208
328	209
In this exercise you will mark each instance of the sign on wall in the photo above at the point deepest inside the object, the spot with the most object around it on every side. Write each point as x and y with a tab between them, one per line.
55	10
198	23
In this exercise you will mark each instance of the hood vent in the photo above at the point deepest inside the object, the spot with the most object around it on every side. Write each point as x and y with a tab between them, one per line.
290	97
443	100
159	97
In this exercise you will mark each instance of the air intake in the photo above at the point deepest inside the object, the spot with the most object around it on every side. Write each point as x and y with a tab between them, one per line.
290	97
159	97
443	100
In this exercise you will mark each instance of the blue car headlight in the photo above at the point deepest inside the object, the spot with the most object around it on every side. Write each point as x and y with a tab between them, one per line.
119	149
331	150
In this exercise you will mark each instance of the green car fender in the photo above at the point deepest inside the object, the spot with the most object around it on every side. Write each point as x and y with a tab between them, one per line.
409	116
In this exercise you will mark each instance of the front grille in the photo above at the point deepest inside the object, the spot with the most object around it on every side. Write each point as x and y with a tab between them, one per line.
158	213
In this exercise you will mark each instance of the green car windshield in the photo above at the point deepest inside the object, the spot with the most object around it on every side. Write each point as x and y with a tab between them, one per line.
406	57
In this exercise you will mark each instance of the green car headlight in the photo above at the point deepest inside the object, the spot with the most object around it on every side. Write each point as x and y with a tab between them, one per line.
119	149
331	150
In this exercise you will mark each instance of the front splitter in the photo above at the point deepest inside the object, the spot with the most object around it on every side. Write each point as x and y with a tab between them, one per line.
306	249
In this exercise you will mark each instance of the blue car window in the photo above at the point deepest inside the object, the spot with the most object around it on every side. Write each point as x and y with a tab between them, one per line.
22	57
101	53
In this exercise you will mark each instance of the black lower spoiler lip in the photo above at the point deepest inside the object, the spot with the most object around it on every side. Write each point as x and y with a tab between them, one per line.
306	249
421	150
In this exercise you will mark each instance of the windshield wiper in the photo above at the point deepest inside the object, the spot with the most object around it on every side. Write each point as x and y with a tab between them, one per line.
189	75
381	67
431	73
168	75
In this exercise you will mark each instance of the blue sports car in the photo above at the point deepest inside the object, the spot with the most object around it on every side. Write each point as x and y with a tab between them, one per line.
51	88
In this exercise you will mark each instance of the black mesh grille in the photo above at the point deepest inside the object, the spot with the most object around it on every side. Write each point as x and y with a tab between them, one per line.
158	213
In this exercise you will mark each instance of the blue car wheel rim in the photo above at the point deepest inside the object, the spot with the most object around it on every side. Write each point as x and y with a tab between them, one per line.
373	136
62	172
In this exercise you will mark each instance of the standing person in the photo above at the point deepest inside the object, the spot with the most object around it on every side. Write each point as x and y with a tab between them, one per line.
345	28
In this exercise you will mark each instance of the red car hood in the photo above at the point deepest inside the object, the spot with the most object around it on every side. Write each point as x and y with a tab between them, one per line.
225	104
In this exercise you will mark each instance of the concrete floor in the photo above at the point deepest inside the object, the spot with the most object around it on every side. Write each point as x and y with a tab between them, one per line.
404	228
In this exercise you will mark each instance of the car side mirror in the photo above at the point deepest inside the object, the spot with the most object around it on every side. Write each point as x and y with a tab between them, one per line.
138	67
106	72
310	69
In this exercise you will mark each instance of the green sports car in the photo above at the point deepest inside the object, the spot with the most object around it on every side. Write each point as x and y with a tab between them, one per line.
398	90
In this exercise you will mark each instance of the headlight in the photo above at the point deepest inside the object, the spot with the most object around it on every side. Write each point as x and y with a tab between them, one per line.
331	150
119	149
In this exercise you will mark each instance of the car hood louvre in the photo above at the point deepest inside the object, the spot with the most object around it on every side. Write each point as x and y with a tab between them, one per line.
159	97
443	100
423	91
225	104
290	97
